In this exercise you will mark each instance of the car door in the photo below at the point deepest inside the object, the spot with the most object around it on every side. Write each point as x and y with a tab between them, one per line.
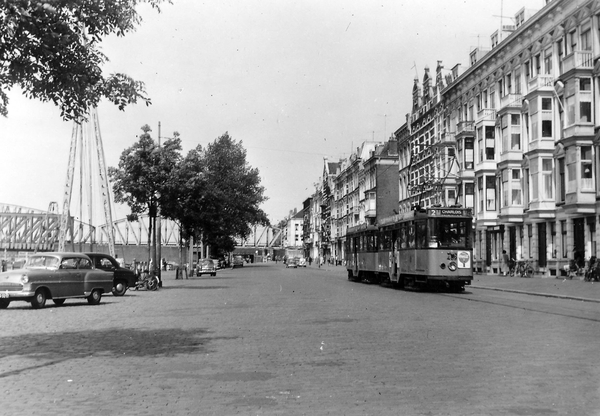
71	283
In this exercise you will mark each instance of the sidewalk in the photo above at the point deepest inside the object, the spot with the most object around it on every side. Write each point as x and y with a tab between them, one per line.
540	286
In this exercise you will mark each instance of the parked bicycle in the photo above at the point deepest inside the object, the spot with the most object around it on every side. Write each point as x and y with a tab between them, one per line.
521	268
147	280
592	274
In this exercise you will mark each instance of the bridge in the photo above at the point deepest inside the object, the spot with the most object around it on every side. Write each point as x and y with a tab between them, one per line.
30	229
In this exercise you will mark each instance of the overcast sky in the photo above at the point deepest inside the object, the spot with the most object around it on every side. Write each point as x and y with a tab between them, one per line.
295	81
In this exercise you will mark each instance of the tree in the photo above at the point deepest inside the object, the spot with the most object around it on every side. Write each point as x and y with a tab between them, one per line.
219	194
51	50
145	175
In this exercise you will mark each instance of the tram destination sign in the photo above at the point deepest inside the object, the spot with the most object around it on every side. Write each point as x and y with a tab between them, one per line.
448	212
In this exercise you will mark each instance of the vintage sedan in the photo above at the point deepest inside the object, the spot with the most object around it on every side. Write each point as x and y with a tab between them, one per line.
123	278
237	261
56	276
207	266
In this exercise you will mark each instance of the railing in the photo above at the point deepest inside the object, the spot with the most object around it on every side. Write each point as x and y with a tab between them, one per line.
578	59
540	81
511	100
486	114
465	126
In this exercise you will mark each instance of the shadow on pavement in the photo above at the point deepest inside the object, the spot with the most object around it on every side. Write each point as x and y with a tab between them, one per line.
114	343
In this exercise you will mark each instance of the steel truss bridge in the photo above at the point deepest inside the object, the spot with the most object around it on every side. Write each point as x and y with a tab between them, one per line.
29	229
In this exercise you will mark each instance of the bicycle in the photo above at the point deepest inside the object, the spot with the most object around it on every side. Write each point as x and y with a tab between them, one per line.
593	271
521	268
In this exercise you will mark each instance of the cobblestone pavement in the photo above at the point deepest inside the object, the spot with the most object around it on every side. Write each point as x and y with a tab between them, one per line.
265	340
544	286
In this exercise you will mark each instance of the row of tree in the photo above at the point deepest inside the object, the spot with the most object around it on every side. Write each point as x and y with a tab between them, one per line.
212	192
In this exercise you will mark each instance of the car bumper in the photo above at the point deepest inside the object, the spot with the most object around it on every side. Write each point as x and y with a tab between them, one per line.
16	294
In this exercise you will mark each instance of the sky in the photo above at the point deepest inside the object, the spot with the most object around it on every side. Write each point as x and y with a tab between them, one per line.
297	82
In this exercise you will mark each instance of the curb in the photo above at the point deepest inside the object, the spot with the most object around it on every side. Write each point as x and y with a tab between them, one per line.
548	295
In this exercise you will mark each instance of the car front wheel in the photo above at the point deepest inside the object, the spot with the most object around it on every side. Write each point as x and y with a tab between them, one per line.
4	303
94	297
39	299
119	288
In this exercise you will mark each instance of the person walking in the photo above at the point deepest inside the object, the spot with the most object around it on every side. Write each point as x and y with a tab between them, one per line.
504	267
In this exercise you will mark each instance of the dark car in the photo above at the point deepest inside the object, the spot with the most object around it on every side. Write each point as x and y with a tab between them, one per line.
123	278
56	276
206	266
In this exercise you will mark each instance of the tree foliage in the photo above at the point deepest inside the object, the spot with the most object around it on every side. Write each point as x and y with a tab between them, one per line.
51	50
219	194
211	193
145	173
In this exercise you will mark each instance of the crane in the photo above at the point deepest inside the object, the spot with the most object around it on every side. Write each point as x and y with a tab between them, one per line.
90	141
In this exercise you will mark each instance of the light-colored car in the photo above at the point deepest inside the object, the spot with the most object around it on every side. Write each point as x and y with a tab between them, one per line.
207	266
291	262
237	261
56	276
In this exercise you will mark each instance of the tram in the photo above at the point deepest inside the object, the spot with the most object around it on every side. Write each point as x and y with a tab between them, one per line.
427	247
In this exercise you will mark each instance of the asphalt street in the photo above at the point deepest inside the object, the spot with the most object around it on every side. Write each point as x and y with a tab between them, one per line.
265	340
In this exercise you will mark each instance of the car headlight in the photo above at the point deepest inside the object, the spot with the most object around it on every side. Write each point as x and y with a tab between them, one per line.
24	279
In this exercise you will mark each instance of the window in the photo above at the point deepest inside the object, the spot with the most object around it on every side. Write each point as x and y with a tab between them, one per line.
546	128
546	103
563	238
586	167
490	143
553	239
548	61
562	180
585	112
586	40
516	187
469	153
505	188
469	194
547	179
480	193
490	193
585	84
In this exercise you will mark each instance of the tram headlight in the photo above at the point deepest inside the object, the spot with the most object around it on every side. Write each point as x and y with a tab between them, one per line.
443	266
452	266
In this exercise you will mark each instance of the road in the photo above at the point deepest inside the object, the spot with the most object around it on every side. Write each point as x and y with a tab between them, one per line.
265	340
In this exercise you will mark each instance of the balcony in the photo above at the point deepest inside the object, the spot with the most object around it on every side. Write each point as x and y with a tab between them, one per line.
465	127
446	139
486	114
578	60
511	101
541	82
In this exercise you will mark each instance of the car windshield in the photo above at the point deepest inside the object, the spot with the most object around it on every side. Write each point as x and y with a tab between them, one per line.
207	263
42	262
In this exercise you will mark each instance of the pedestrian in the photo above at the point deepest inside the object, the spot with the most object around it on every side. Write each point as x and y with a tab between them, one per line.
504	267
309	261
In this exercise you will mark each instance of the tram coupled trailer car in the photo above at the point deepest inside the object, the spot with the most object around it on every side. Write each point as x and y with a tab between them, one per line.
428	248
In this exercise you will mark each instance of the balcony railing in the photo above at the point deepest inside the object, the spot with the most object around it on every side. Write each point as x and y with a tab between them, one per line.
486	114
578	59
465	127
541	81
512	101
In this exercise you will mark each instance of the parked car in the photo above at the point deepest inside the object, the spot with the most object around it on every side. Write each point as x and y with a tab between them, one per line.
56	276
301	262
237	261
291	262
207	266
123	278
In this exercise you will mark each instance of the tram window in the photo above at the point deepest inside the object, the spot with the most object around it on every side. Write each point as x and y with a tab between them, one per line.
411	235
450	232
402	240
421	234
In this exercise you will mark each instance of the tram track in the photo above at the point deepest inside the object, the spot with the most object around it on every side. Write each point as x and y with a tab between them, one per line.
517	302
